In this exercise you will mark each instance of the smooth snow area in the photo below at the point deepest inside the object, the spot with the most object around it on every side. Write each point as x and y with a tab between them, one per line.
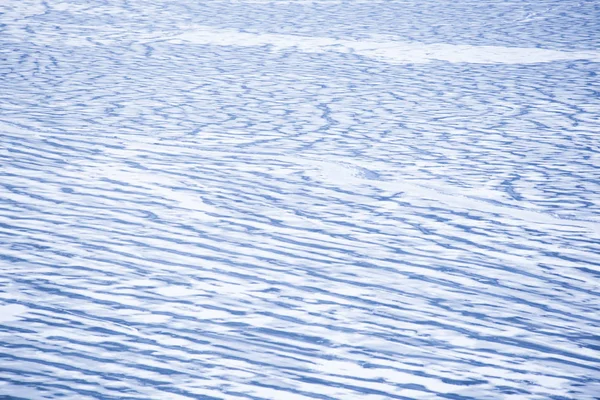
395	52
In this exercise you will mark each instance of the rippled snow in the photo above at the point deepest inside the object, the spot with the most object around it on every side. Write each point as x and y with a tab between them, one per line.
299	200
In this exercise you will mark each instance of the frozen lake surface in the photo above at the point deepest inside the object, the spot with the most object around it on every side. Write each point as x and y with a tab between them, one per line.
299	200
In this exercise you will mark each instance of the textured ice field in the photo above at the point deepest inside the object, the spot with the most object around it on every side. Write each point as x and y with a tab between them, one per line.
299	200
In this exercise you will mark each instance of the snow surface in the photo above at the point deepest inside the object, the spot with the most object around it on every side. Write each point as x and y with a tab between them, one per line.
299	200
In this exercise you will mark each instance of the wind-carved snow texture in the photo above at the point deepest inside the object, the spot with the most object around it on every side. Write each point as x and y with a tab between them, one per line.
299	200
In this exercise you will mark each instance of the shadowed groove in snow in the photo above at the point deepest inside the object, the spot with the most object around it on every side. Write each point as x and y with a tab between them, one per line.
299	200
